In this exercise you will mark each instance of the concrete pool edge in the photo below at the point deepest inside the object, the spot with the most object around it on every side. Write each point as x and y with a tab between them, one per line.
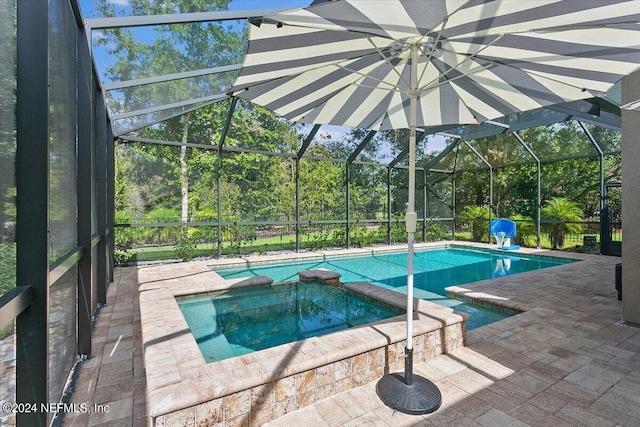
253	260
266	384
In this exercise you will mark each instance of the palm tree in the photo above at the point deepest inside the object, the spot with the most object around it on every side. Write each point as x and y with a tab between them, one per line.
561	209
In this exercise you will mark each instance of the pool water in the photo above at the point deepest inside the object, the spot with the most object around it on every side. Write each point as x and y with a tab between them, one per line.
241	321
434	270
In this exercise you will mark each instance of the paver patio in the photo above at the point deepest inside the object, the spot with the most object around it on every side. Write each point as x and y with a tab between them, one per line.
567	360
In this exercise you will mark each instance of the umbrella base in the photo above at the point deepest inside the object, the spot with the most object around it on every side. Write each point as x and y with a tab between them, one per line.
421	397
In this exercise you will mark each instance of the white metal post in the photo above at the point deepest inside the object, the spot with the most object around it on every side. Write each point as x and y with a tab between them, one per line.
411	216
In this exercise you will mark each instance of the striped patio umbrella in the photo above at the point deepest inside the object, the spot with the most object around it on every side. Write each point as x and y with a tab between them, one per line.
393	64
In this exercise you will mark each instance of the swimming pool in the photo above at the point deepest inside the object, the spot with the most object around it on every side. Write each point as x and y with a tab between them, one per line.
434	270
240	321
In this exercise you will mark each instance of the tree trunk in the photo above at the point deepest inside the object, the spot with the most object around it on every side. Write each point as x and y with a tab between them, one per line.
184	172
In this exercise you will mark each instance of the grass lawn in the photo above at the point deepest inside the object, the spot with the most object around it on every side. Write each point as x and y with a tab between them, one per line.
155	253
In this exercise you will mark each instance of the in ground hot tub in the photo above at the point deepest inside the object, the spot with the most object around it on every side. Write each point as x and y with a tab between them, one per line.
183	388
240	321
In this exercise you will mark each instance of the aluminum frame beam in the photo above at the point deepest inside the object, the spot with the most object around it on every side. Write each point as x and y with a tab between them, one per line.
212	98
538	186
449	148
164	119
170	77
404	152
368	137
399	157
223	137
177	18
486	162
602	184
595	114
307	141
13	303
86	195
227	122
361	146
32	207
103	178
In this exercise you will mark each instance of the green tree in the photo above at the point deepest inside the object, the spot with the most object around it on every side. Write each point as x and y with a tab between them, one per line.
265	182
322	192
255	186
561	209
172	48
367	183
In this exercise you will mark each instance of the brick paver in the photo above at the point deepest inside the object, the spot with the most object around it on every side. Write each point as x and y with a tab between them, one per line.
567	360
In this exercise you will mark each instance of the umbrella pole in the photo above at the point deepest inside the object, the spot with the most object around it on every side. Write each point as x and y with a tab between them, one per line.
411	218
411	395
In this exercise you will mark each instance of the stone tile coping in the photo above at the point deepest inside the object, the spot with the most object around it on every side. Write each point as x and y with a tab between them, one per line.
320	274
248	260
178	377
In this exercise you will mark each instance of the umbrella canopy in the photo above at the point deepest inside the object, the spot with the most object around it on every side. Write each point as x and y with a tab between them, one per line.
393	64
347	62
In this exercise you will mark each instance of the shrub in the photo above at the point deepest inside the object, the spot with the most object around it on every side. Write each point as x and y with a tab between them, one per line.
7	267
239	236
161	235
319	239
339	237
398	231
121	257
126	237
479	216
361	235
525	230
435	231
186	247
